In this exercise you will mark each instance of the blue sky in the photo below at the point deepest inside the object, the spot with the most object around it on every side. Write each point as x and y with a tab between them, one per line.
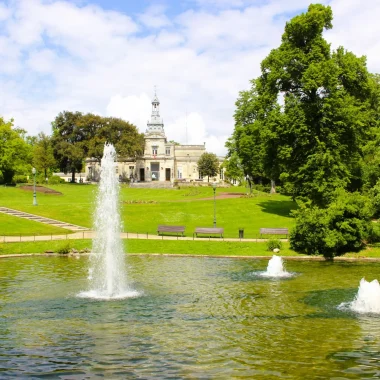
106	56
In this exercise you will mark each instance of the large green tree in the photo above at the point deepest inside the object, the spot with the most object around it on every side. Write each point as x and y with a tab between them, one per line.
77	136
123	135
69	142
43	154
208	165
314	141
15	152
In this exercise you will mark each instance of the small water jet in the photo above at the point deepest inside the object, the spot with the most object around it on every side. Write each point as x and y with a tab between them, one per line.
107	275
367	299
275	268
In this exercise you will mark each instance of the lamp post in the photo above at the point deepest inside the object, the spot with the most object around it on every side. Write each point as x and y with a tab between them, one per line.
34	187
214	188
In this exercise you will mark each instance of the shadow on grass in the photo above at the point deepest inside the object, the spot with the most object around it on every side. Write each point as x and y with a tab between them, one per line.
281	208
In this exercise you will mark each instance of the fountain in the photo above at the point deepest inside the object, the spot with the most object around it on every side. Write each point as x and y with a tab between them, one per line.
107	274
368	298
276	268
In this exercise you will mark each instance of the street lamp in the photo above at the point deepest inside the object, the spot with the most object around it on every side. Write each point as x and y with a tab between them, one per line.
214	188
34	188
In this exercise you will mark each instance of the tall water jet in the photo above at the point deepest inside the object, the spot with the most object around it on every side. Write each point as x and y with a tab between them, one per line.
107	275
368	298
276	268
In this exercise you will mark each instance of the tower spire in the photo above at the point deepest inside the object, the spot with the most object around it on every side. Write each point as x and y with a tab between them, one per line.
155	124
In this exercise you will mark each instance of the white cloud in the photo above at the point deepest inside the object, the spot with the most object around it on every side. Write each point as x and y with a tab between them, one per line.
135	109
154	17
58	56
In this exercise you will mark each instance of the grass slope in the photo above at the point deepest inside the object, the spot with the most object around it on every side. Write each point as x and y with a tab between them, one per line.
143	209
13	226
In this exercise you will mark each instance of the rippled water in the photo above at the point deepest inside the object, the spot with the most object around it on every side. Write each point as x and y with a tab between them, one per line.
197	318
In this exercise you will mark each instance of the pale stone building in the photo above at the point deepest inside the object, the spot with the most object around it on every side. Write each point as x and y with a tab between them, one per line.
162	161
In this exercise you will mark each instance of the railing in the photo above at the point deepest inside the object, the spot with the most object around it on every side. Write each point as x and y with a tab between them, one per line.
128	235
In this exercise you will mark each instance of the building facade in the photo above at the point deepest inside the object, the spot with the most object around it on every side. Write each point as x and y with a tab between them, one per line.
162	161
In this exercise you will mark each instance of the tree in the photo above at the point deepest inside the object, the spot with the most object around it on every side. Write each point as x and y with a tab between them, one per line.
232	164
43	154
69	142
208	164
128	142
15	153
342	227
313	142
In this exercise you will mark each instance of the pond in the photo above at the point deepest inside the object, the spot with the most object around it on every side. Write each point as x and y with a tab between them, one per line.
195	318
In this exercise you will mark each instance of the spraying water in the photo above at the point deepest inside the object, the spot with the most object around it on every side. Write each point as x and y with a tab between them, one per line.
276	268
368	298
107	275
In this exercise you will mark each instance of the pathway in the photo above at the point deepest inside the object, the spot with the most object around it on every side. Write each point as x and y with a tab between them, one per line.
41	219
125	235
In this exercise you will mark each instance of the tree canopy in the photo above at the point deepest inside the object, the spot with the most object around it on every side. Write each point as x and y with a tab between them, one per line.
208	165
15	152
77	136
43	155
313	142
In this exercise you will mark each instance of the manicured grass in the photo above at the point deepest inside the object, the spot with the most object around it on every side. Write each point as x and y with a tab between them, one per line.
137	246
13	226
143	210
131	246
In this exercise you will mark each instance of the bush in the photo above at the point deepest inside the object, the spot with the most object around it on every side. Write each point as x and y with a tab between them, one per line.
19	178
342	227
262	188
55	180
374	233
374	194
274	243
64	250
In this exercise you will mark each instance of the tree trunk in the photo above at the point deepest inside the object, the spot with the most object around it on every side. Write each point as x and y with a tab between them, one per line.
272	186
73	176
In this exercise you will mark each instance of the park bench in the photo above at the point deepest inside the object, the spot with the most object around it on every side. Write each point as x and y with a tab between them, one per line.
172	229
274	231
209	231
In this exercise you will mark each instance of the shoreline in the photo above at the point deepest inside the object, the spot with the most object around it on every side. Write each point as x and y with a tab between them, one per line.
292	258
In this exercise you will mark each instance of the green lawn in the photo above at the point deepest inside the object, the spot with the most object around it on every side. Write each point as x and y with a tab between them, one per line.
143	209
136	246
12	225
212	248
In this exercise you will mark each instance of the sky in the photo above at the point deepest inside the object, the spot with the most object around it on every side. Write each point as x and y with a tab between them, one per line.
107	56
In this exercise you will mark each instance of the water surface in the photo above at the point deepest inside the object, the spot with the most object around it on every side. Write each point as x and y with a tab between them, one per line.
197	318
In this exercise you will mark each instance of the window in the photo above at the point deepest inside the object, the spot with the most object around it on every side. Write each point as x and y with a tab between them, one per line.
221	174
167	151
154	150
179	172
117	170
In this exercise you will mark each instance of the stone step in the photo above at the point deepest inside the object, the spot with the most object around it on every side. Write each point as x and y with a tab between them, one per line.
41	219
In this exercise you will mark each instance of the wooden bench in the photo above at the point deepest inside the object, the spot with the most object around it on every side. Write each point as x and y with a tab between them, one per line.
175	229
274	231
209	231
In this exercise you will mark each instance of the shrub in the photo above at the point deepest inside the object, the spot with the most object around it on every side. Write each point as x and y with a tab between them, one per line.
342	227
64	250
55	180
374	233
20	178
274	243
374	194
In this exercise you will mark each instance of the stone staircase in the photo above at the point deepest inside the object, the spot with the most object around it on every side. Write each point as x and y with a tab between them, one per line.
41	219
